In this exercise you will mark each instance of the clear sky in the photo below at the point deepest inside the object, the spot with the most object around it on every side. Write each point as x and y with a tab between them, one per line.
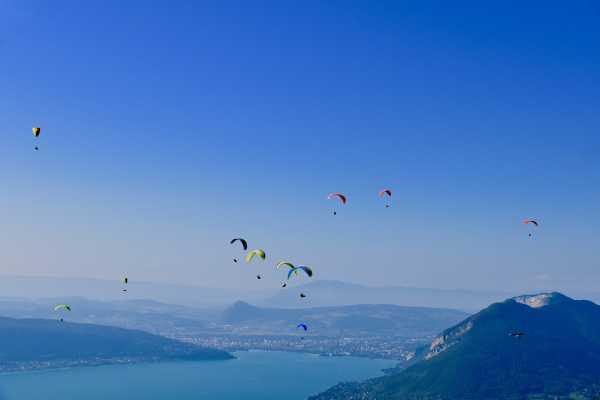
170	127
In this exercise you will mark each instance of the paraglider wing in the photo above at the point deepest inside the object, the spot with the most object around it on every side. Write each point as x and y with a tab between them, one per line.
36	131
242	241
308	271
342	198
287	264
62	307
303	326
255	253
531	221
125	280
385	192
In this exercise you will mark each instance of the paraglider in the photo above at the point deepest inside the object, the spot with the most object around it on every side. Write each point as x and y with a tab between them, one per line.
255	253
59	307
294	271
517	335
36	131
386	192
284	285
338	196
532	222
286	264
302	295
242	241
125	282
303	326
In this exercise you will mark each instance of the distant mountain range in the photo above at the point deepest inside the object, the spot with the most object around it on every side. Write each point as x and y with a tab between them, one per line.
241	318
558	356
320	293
365	319
42	343
334	293
107	290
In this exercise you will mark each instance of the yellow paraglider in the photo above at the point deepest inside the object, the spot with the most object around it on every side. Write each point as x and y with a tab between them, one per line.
36	131
255	253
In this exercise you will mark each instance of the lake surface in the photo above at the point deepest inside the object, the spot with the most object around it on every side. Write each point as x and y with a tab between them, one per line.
252	376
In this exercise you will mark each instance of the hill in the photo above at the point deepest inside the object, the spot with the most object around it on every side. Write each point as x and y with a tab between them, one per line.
559	356
364	319
41	343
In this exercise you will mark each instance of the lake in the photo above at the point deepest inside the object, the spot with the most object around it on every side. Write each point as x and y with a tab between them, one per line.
252	376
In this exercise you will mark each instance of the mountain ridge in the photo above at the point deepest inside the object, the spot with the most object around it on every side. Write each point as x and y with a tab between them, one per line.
42	343
559	356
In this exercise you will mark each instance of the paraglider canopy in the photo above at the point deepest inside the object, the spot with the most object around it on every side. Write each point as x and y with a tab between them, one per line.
36	131
286	264
242	241
255	253
303	326
294	271
531	221
339	196
385	192
62	307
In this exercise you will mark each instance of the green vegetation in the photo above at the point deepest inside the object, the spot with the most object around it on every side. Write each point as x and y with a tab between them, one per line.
37	343
559	357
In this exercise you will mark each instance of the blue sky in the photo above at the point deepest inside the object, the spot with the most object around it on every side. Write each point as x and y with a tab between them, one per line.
170	127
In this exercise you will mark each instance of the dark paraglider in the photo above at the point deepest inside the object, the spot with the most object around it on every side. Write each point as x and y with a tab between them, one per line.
244	245
339	196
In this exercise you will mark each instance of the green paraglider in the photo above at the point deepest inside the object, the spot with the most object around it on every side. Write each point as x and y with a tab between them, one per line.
286	264
255	253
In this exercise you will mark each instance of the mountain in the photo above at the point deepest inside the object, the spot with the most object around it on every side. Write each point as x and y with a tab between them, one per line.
147	315
240	318
364	319
35	287
558	356
335	293
38	343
